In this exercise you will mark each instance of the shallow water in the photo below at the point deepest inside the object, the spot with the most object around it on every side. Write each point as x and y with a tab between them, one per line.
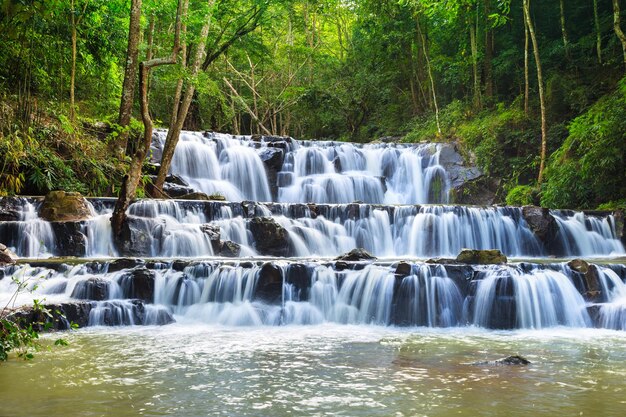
198	370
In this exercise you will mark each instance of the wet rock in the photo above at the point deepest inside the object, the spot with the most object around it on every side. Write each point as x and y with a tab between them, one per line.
177	180
481	257
269	284
61	206
273	161
177	191
7	256
213	233
180	265
11	209
358	254
514	360
70	239
270	238
135	239
124	263
591	288
96	289
62	315
481	191
542	224
403	269
195	196
337	164
139	284
441	261
230	249
298	276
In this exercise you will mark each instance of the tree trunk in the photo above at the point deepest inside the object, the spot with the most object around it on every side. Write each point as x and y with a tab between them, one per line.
563	29
181	108
131	180
73	70
130	77
430	75
596	21
526	63
488	52
474	48
544	134
617	27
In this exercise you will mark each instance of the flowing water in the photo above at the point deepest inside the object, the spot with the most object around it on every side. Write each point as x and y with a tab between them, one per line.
197	370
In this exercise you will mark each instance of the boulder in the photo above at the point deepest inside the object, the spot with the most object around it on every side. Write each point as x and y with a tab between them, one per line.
135	239
70	239
124	263
139	283
481	257
358	254
481	191
96	289
213	232
270	238
273	161
403	269
61	316
177	191
542	224
195	196
11	209
7	256
230	249
591	286
61	206
269	287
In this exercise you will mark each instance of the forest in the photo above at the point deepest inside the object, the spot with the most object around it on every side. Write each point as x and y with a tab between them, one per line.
533	91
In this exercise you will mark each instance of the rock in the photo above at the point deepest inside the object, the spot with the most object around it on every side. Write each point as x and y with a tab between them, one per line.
124	263
196	196
70	239
7	256
61	206
11	209
542	224
139	284
481	191
269	286
481	257
177	180
441	261
177	191
337	164
358	254
96	289
73	312
135	239
213	233
591	288
514	360
230	249
273	161
217	197
403	269
270	238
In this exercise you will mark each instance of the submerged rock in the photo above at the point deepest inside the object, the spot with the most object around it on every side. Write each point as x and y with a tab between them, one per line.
270	237
481	257
514	360
358	254
7	256
61	206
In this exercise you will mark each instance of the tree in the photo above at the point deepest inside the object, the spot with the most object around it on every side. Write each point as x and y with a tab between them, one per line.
244	24
133	177
130	75
76	19
542	103
617	27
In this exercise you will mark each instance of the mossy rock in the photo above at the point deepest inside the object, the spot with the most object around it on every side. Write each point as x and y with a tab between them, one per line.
481	257
61	206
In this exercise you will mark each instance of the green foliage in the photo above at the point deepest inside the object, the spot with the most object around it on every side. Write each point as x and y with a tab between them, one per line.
522	195
588	168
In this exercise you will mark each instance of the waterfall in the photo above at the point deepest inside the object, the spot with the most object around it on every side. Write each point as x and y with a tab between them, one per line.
29	236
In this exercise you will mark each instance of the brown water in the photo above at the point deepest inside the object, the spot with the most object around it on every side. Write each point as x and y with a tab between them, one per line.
189	370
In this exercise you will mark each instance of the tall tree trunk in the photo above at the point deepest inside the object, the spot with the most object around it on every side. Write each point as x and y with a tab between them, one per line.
617	27
542	103
487	64
526	63
130	76
474	48
563	28
133	177
181	107
430	73
596	21
75	23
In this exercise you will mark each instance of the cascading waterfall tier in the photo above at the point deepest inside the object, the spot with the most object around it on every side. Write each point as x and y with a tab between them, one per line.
286	170
180	228
516	296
